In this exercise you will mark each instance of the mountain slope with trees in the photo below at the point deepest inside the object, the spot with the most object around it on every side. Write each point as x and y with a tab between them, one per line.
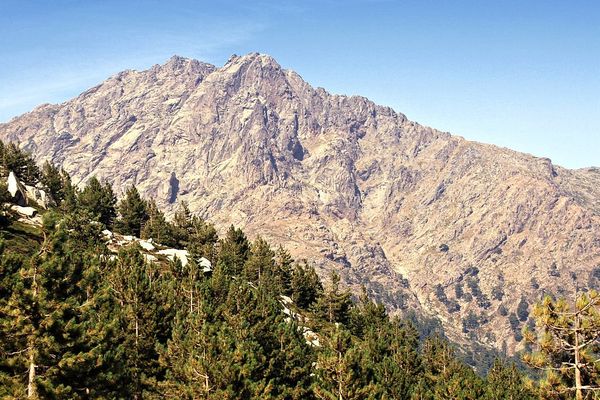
79	321
470	233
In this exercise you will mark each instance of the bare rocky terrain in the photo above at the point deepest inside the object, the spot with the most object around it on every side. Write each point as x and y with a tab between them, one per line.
426	220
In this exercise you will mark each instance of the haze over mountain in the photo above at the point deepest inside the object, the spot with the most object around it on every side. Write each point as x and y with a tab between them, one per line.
462	230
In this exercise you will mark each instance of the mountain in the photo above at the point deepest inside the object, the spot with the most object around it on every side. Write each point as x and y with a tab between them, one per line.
470	233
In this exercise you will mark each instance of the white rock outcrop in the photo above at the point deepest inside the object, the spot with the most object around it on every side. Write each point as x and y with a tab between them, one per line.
22	194
39	196
16	189
25	211
146	245
205	264
181	255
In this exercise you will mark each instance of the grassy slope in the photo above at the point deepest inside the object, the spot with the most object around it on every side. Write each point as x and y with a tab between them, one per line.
21	238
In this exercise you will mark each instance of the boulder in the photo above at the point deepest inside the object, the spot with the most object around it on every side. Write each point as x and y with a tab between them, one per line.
182	255
25	211
16	189
33	221
21	194
311	338
205	264
38	195
146	245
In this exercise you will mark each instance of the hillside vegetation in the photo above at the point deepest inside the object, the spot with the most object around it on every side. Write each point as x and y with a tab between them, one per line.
82	319
428	222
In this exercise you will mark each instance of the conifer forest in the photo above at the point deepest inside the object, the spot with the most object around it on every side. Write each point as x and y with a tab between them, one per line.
107	298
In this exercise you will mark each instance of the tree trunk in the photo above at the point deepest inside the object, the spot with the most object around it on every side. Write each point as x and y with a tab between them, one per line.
578	393
31	386
137	364
191	296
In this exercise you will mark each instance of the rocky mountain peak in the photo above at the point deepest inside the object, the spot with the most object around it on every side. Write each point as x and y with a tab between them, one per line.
426	220
180	65
261	60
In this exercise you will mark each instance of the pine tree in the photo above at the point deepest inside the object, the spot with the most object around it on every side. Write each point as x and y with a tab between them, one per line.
366	316
234	251
193	233
251	314
444	376
5	198
54	304
188	358
157	227
395	347
334	305
82	223
567	345
306	286
239	347
204	240
69	200
134	213
284	266
138	289
390	348
506	382
276	355
187	279
182	226
290	363
99	200
14	327
340	370
183	356
21	163
53	181
260	265
199	356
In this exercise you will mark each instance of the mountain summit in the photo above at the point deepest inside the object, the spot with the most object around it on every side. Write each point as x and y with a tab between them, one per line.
469	232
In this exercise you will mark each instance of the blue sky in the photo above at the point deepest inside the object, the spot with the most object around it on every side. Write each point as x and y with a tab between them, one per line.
520	74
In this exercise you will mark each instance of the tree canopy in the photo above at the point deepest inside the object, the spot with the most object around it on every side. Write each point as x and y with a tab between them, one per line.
80	320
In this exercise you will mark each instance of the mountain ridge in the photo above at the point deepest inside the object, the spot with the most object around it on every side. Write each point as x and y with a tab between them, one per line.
399	207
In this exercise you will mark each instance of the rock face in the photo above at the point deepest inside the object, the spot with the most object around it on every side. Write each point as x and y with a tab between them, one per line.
22	194
463	230
24	211
116	242
16	189
39	196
